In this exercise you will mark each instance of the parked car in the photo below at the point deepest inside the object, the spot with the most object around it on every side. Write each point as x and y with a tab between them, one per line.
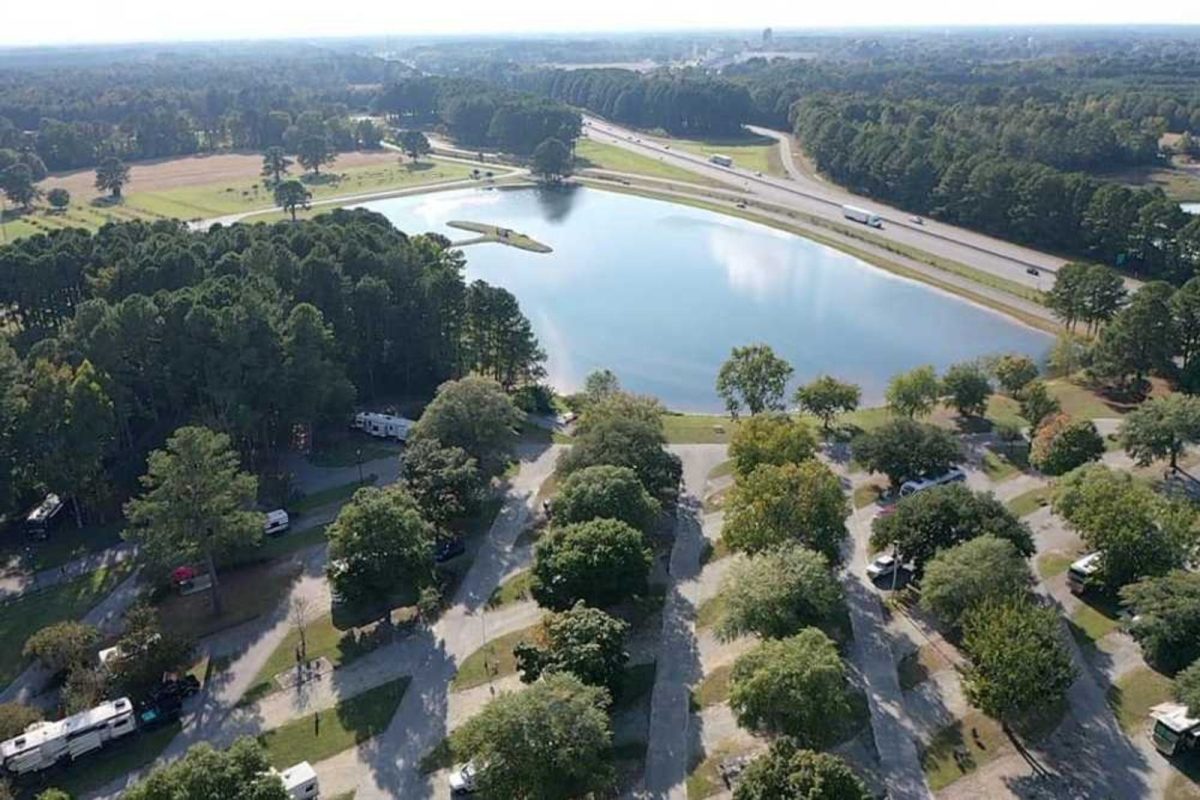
277	522
462	780
881	567
954	475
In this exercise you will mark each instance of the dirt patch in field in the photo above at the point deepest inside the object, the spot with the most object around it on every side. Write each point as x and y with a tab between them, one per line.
173	173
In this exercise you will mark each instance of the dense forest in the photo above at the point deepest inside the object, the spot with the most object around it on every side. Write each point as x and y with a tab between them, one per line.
119	337
479	114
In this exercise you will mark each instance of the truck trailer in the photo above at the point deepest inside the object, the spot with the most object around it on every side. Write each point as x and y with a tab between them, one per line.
720	160
862	215
384	426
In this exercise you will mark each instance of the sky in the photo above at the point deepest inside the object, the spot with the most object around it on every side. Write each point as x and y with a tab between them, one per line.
36	22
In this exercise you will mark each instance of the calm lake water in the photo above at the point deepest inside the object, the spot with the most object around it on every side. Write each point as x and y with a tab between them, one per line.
659	293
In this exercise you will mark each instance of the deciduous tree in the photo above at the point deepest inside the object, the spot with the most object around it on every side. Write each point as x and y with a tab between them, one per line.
968	388
1187	688
1014	371
476	415
292	196
961	577
601	562
275	164
826	397
770	439
415	144
241	772
754	377
1166	618
798	503
1161	428
444	481
583	641
58	198
1037	403
549	741
914	393
63	645
1062	444
904	449
605	492
15	718
788	772
778	592
111	176
794	686
552	161
314	152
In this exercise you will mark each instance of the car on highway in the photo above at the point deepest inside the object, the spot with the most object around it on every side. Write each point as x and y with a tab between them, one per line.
881	567
463	781
1032	271
916	220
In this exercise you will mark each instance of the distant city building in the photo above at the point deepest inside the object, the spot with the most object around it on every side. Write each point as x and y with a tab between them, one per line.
768	37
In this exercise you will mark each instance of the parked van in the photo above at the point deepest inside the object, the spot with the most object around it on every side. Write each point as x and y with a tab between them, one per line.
277	522
955	475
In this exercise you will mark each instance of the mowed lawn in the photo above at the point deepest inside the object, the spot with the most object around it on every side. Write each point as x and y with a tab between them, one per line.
194	188
608	156
758	153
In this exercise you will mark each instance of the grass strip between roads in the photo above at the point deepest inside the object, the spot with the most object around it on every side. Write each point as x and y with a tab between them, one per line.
326	733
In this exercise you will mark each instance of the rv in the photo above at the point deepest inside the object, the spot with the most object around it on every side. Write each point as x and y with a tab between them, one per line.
44	744
1173	730
720	160
385	426
43	516
300	782
1080	571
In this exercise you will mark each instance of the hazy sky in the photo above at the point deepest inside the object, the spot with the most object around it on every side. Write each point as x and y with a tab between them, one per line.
33	22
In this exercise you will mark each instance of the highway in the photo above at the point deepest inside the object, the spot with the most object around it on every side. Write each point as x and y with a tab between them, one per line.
811	195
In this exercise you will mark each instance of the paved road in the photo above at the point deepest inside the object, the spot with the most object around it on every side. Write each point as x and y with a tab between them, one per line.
14	585
387	765
825	200
672	737
894	741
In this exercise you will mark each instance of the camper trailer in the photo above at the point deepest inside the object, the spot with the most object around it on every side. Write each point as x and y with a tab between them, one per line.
385	426
42	517
300	782
1173	731
44	744
1081	571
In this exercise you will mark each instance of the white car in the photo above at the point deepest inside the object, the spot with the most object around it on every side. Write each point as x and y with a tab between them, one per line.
881	567
462	780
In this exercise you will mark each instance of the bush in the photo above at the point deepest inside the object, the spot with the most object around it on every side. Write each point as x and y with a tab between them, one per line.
602	562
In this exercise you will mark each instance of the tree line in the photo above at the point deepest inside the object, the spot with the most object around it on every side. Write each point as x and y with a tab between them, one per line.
118	337
479	114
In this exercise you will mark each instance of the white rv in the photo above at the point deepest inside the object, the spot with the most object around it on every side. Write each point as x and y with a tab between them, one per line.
385	426
300	781
1080	571
277	522
44	744
1173	730
41	518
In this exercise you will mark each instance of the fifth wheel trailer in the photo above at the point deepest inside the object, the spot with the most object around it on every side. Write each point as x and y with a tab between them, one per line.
44	744
862	215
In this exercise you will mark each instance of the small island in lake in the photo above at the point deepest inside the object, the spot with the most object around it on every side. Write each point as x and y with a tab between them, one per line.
494	233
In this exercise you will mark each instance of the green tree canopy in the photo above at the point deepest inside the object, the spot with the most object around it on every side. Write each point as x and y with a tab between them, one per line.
380	542
15	718
753	376
968	388
1018	661
292	196
58	198
1140	338
1187	688
241	772
17	183
196	502
914	393
961	577
904	449
275	164
1137	533
626	431
942	517
605	492
111	176
788	772
1161	427
583	641
601	562
1167	618
314	152
1062	444
551	160
63	645
1037	403
549	741
415	144
794	686
145	651
775	505
475	414
444	481
770	439
826	397
778	592
1014	371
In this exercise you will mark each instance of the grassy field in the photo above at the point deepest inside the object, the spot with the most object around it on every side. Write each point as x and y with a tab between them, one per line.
1030	501
334	494
247	592
499	235
494	660
65	544
710	612
26	616
590	154
1052	564
704	779
985	743
697	428
149	197
1179	181
513	590
758	153
318	736
117	759
713	689
351	451
1093	623
1134	693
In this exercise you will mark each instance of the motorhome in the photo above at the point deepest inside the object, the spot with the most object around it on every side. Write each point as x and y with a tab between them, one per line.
385	426
44	744
42	517
1173	731
300	782
954	475
1081	571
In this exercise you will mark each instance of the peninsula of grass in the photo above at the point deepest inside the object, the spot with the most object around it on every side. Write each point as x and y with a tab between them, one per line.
495	233
494	660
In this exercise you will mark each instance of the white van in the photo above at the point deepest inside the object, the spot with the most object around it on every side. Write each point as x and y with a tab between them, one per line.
955	475
277	522
1080	571
300	782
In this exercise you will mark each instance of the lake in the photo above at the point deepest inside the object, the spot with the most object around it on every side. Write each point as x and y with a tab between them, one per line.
659	293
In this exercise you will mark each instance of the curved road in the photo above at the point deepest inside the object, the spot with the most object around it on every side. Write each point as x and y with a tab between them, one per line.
819	198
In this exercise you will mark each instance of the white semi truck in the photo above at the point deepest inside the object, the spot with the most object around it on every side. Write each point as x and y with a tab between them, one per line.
720	160
862	215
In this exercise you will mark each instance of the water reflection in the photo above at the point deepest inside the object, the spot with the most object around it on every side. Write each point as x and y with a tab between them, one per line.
660	293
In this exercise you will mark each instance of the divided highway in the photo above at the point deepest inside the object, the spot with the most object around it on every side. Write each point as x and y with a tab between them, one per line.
810	195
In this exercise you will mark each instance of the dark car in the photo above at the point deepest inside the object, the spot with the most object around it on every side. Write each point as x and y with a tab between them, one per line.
1032	271
449	548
